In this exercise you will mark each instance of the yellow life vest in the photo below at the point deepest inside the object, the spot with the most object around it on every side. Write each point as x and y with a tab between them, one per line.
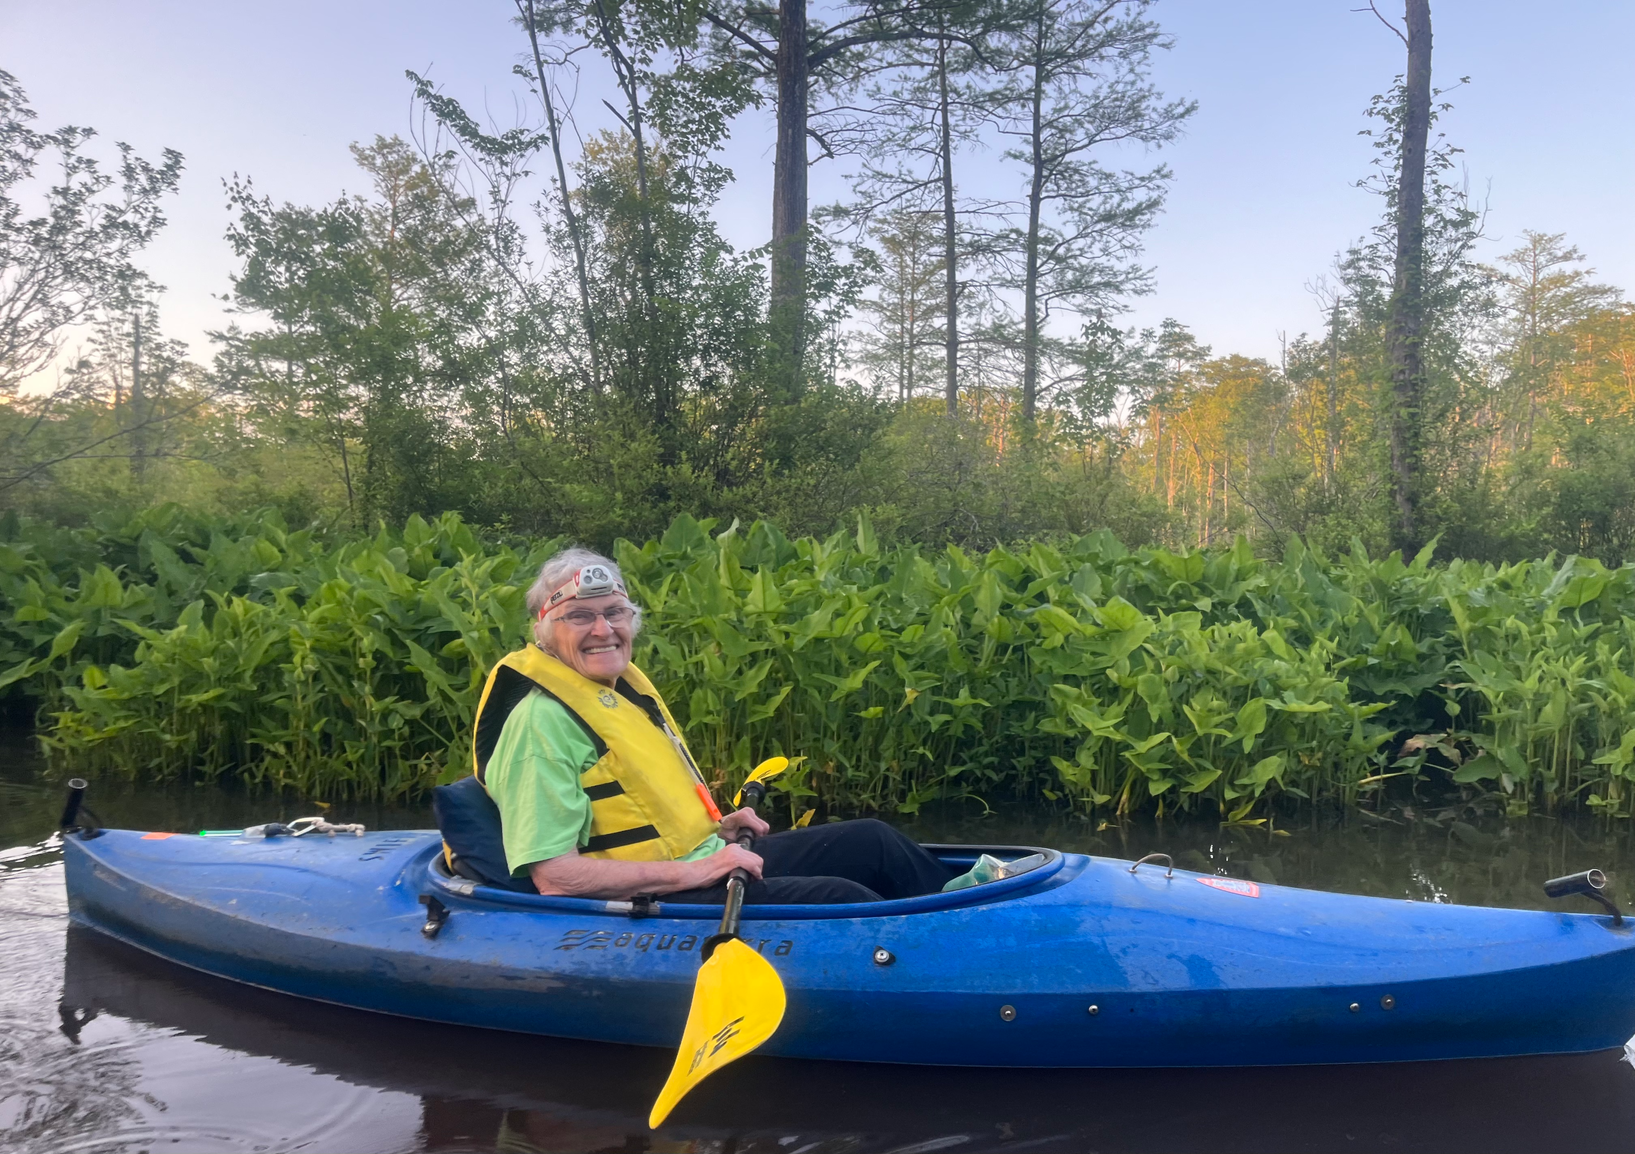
648	801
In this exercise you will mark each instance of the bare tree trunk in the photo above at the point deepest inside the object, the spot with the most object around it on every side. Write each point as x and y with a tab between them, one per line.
1170	487
626	74
1157	448
553	126
788	304
660	365
139	416
346	474
1534	292
1030	291
1209	507
950	254
1405	326
1331	430
903	337
911	343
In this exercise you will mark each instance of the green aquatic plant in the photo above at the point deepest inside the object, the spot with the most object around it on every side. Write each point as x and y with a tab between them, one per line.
344	671
1073	674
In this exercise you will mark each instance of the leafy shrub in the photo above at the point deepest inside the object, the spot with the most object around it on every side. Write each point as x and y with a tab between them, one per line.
1078	674
244	649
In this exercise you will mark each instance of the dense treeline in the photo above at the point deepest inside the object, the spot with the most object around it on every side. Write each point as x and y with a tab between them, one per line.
586	356
1083	676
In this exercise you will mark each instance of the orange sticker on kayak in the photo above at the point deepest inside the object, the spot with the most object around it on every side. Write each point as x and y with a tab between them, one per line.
1232	886
156	836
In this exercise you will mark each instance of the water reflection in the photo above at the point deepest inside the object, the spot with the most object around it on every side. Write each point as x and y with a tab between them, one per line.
490	1091
105	1049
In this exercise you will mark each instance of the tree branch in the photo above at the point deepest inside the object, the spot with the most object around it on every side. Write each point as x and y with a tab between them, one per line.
828	52
1383	21
8	482
617	114
734	31
823	144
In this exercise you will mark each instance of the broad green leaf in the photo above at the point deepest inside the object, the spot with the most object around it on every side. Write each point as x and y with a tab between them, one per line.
1251	722
1263	772
1483	767
1118	613
67	638
1198	782
846	686
17	672
770	706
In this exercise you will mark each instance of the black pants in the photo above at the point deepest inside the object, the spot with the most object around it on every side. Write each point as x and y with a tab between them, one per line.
846	861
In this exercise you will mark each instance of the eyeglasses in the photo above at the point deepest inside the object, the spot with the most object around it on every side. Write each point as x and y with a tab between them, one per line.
584	618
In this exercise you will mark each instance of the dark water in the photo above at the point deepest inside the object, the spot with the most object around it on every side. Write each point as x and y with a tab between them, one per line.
105	1049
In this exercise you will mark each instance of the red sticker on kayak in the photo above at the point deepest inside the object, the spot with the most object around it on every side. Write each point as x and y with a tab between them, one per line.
1232	886
156	836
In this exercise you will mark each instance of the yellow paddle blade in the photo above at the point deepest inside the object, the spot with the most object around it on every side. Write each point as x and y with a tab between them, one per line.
766	771
805	819
738	1002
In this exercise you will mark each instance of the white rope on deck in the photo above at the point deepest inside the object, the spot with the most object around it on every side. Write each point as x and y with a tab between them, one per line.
306	825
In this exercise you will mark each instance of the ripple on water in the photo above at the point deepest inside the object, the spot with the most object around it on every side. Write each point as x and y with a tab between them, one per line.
192	1096
122	1086
130	1088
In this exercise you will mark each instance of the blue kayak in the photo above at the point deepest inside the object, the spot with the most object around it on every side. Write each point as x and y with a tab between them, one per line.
1078	962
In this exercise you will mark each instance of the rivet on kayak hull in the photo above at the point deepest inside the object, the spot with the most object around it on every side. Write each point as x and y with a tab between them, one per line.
1388	1003
883	957
1094	1010
1007	1013
1355	1007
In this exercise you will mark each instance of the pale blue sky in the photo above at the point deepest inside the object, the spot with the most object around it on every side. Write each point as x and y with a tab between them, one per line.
1263	196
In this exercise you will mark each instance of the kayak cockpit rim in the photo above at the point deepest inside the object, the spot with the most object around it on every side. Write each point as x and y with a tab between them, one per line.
441	882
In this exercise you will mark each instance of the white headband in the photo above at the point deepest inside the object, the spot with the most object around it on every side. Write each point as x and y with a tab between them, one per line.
590	581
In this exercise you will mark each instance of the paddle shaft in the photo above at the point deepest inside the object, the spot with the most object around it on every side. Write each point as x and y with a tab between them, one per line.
733	909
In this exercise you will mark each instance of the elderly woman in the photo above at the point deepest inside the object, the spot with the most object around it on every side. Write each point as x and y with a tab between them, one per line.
599	796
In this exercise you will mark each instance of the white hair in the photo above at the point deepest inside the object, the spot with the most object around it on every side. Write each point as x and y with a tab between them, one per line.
558	569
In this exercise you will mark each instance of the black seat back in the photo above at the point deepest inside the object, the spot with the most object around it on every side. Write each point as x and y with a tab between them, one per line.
470	824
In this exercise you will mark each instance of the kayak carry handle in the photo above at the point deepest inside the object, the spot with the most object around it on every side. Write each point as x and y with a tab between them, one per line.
1168	861
1592	884
73	807
70	809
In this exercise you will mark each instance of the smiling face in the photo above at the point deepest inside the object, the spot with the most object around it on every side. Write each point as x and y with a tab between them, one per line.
598	650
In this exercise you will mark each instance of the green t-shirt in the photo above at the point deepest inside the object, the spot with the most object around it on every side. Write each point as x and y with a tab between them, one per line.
533	776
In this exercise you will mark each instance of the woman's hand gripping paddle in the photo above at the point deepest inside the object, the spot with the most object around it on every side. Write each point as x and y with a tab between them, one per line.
738	999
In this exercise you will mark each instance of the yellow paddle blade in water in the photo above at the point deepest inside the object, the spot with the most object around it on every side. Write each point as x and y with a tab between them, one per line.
766	771
738	1002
